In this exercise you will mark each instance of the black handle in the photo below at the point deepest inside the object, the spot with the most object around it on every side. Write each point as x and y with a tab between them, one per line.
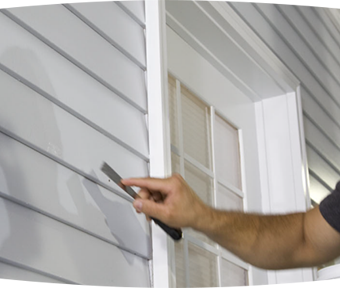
175	234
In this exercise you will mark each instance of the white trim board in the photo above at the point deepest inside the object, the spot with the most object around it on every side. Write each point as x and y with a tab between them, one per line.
240	42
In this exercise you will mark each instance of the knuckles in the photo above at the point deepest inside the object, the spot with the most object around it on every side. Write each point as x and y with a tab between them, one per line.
177	181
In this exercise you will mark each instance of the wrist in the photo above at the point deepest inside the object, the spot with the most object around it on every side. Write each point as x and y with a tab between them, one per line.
204	218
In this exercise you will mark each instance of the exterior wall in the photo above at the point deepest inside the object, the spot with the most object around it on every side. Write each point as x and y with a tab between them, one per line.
67	105
307	40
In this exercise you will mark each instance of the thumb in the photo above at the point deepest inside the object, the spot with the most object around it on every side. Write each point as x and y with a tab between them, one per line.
149	208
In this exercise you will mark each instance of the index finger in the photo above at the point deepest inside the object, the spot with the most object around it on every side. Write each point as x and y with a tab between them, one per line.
155	184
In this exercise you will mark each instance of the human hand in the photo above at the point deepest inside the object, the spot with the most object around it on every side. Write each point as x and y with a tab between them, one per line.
171	200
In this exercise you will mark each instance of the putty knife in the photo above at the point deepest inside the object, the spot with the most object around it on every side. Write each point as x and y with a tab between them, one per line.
175	234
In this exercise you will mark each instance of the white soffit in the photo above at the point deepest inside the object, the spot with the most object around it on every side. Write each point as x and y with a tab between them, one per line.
215	31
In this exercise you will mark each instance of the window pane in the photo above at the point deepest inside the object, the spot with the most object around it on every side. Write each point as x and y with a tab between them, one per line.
227	153
202	267
173	113
180	266
200	182
196	128
228	200
233	275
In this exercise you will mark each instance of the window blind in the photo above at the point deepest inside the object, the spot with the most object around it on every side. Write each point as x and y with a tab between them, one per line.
227	153
202	267
191	123
196	132
232	275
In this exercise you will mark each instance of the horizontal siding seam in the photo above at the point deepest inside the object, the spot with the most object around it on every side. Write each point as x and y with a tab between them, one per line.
323	157
72	60
320	105
104	35
336	145
317	13
317	34
53	217
303	38
64	163
71	111
128	12
30	269
320	180
337	101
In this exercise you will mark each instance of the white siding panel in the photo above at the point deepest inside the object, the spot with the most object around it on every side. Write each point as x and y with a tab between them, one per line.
331	129
82	44
37	121
316	138
328	24
280	47
319	190
31	178
8	271
31	239
315	45
310	16
321	168
303	52
70	86
136	9
110	19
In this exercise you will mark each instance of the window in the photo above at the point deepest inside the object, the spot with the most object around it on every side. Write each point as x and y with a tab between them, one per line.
206	152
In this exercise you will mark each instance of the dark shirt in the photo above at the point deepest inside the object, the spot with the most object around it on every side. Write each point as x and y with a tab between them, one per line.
330	208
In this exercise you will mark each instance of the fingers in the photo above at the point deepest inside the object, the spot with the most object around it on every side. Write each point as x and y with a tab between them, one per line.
158	197
149	208
154	184
144	194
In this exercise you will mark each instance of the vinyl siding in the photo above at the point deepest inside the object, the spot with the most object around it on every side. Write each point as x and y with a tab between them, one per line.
73	95
308	42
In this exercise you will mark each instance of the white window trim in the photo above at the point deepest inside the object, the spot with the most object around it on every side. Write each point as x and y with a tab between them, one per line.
160	158
159	132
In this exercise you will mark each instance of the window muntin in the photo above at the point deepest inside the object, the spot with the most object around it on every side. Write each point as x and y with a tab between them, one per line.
206	152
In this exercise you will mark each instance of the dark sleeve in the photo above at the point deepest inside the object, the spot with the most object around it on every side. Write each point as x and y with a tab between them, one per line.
330	208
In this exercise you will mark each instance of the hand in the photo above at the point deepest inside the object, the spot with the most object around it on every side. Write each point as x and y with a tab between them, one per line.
171	200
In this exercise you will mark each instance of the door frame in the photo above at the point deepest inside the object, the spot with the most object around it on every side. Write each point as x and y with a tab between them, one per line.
162	264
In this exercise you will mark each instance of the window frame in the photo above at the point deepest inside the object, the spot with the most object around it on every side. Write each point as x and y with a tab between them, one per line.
217	250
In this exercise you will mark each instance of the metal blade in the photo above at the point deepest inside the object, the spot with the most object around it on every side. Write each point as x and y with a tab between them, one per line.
113	175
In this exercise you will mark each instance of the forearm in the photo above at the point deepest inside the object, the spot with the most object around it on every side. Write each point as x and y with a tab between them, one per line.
269	242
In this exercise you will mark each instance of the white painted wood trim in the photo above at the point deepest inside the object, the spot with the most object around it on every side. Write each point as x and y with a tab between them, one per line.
180	127
238	82
198	165
218	251
186	260
242	193
305	173
283	73
231	187
159	132
213	160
